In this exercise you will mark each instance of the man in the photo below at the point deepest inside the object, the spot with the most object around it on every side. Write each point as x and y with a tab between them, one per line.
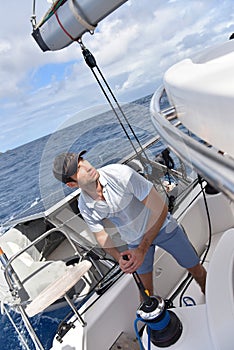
130	201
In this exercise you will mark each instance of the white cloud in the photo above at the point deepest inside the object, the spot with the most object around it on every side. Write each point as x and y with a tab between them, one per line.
133	47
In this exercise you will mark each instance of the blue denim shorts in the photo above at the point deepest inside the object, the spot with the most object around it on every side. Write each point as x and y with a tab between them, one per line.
174	240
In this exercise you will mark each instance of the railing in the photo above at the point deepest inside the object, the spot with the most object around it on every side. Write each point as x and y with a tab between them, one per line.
37	240
21	305
214	167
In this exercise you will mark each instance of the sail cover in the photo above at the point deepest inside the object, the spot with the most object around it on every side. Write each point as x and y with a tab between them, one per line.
68	20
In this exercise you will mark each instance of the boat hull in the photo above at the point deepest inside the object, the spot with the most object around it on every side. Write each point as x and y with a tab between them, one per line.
110	315
213	320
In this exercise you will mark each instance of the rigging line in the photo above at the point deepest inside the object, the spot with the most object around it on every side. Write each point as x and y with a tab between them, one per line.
114	110
122	112
116	114
184	290
132	130
183	286
191	202
91	62
33	16
209	239
84	246
208	218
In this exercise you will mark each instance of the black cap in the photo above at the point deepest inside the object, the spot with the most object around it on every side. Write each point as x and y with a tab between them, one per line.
65	165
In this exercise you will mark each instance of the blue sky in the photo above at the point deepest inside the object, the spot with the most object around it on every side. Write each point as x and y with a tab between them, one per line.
42	91
42	76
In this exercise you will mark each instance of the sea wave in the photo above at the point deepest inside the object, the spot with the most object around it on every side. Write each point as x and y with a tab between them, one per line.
26	175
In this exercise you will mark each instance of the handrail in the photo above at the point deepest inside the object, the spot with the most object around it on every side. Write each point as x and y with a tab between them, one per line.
37	240
214	167
29	327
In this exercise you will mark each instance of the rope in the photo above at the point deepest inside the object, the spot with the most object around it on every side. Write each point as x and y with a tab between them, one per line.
209	239
189	301
155	325
137	334
91	62
33	16
80	19
62	27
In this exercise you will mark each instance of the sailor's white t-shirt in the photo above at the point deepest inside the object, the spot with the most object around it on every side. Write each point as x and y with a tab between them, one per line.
124	190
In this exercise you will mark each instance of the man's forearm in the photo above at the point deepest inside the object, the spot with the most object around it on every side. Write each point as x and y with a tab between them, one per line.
148	238
154	225
113	252
107	244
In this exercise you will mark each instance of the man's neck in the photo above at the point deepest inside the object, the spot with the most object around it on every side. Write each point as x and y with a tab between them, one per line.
96	192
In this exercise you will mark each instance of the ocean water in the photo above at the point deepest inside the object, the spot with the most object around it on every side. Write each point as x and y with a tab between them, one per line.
27	184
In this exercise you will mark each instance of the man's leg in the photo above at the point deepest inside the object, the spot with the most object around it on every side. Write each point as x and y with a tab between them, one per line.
176	243
199	274
147	280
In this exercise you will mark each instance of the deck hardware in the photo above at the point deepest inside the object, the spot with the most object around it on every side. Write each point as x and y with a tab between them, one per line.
163	326
64	327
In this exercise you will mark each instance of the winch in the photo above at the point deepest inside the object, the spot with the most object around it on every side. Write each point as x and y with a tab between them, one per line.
163	326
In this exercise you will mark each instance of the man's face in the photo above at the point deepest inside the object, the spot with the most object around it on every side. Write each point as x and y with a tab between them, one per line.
86	174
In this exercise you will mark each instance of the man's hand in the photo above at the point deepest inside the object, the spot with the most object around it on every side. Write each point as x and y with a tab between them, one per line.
135	260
